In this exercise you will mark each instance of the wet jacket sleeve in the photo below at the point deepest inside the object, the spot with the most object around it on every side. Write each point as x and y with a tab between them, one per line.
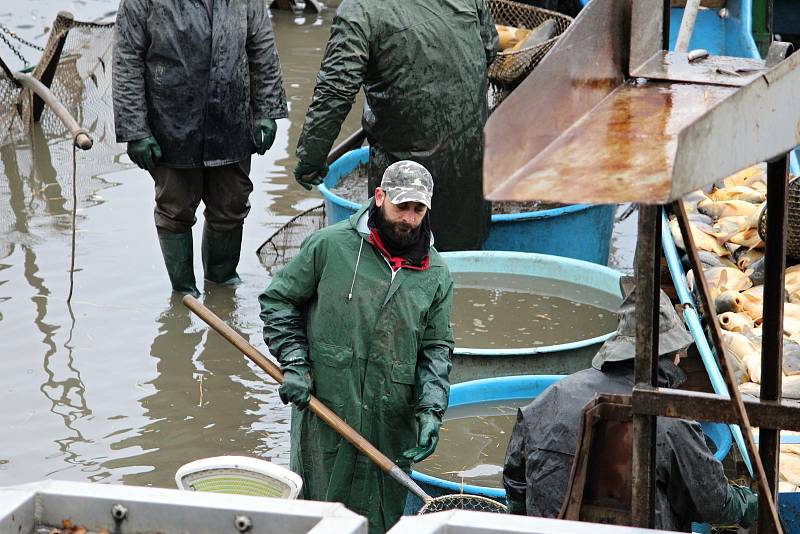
283	302
514	477
491	41
697	489
432	377
266	85
341	75
131	40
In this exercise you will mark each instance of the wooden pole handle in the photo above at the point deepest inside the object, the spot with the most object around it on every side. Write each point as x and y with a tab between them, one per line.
315	405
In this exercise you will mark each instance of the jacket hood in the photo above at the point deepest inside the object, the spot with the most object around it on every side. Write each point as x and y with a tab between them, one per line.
358	220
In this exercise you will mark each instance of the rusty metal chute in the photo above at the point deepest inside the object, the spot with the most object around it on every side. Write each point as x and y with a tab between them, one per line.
609	117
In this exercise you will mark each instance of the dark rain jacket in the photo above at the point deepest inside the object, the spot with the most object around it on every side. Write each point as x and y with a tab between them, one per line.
690	483
197	83
422	65
377	360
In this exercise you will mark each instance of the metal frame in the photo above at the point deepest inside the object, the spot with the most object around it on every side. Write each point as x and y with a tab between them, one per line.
653	154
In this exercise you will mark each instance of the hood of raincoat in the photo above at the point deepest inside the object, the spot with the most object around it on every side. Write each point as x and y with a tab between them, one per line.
196	81
690	482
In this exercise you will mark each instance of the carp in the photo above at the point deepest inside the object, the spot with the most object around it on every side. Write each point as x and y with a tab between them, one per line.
739	192
729	301
725	208
736	322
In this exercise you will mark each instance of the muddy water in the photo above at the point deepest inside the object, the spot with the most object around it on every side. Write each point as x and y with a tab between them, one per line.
506	311
124	385
472	444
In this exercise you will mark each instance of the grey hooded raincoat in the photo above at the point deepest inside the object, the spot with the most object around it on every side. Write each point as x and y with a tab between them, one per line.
690	483
196	80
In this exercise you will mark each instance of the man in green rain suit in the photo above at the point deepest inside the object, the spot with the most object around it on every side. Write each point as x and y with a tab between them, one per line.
423	68
361	319
197	88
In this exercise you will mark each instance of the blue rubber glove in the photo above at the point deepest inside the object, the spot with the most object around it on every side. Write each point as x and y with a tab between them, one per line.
145	152
264	135
308	174
428	424
296	387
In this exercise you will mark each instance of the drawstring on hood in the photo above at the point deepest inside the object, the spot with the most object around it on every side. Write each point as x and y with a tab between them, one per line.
355	271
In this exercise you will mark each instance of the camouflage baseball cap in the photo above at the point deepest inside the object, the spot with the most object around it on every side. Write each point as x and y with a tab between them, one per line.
672	335
407	181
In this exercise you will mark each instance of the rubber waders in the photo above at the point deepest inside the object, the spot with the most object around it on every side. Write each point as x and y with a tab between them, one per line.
177	251
221	255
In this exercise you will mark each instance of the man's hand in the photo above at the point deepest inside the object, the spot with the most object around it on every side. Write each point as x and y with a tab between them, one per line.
296	387
264	135
428	438
145	152
308	174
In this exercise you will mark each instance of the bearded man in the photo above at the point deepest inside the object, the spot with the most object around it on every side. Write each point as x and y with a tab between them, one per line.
361	319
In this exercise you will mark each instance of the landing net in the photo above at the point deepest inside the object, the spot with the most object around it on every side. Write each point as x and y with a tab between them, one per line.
36	158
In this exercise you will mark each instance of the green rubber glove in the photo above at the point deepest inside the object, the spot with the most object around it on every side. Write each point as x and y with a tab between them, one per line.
145	152
264	135
296	387
741	507
428	437
308	174
517	507
751	512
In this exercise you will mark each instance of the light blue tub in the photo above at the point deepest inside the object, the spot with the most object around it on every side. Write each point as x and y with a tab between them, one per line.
566	358
578	231
515	388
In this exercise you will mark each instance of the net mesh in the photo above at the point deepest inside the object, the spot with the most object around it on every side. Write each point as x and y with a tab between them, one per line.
510	68
36	157
238	482
462	501
284	244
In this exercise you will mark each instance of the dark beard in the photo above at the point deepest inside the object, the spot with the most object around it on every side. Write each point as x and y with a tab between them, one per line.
412	245
396	236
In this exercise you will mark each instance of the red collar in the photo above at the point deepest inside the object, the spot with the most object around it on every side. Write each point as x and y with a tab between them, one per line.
396	262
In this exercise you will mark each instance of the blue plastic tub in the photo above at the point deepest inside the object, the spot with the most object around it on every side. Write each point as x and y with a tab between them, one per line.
578	231
515	388
566	358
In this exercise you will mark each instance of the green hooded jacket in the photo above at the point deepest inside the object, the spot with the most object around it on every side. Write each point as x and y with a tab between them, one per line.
379	349
423	68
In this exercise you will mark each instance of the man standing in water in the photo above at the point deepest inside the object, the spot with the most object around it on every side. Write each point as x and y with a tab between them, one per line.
361	318
690	483
197	88
423	68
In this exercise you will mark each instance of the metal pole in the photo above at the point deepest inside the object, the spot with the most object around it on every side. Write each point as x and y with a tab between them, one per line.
762	25
665	25
645	364
687	26
727	372
79	136
772	340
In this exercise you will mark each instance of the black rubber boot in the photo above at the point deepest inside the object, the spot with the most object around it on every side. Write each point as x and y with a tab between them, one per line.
177	252
221	255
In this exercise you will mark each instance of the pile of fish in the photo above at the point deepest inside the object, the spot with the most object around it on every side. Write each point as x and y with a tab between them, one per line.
513	39
724	225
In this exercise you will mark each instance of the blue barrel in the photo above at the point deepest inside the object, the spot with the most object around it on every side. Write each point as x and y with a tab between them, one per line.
566	358
511	388
578	231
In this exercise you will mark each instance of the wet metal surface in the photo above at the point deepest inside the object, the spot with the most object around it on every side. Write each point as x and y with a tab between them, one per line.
624	149
717	70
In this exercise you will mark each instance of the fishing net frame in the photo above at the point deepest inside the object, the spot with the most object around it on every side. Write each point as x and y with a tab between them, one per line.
792	217
509	68
284	243
461	501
